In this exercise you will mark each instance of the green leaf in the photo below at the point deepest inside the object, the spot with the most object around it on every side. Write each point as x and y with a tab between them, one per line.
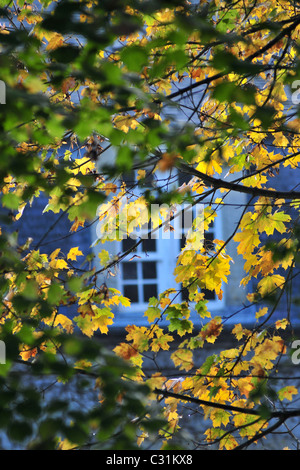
19	430
55	294
207	365
11	201
134	57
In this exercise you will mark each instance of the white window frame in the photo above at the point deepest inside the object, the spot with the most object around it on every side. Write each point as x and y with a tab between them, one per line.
167	250
213	304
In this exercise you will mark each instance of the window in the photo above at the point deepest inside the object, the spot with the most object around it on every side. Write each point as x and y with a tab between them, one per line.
209	236
139	275
148	269
214	232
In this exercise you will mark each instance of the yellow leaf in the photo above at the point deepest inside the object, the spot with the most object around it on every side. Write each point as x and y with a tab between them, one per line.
248	239
210	167
282	324
126	122
183	358
261	312
102	323
104	257
28	352
141	174
161	342
77	223
245	386
54	254
219	417
59	264
228	442
268	284
84	165
238	331
65	444
287	392
55	42
65	322
280	140
211	331
125	350
73	253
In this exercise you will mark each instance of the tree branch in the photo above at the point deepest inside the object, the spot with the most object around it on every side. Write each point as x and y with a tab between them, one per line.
218	183
236	409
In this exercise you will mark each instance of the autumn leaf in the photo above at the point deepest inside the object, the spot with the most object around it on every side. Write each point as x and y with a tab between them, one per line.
104	257
73	253
183	359
68	84
282	324
126	351
152	313
248	240
286	393
161	342
55	41
220	417
65	322
269	284
212	330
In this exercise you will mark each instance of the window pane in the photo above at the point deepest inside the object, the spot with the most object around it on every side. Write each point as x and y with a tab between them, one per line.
129	178
131	291
129	270
149	244
209	294
183	178
128	243
208	241
209	236
184	294
150	290
148	181
149	269
187	218
182	242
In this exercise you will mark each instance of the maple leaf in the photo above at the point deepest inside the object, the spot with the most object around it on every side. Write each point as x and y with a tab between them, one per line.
67	84
141	174
239	331
84	165
261	312
220	417
286	393
102	322
161	341
152	313
73	253
27	353
104	257
277	221
268	284
55	41
245	386
282	324
212	330
77	223
139	337
125	350
65	322
183	359
248	240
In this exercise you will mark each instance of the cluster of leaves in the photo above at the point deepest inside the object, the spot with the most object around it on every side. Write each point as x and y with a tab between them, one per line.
171	86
